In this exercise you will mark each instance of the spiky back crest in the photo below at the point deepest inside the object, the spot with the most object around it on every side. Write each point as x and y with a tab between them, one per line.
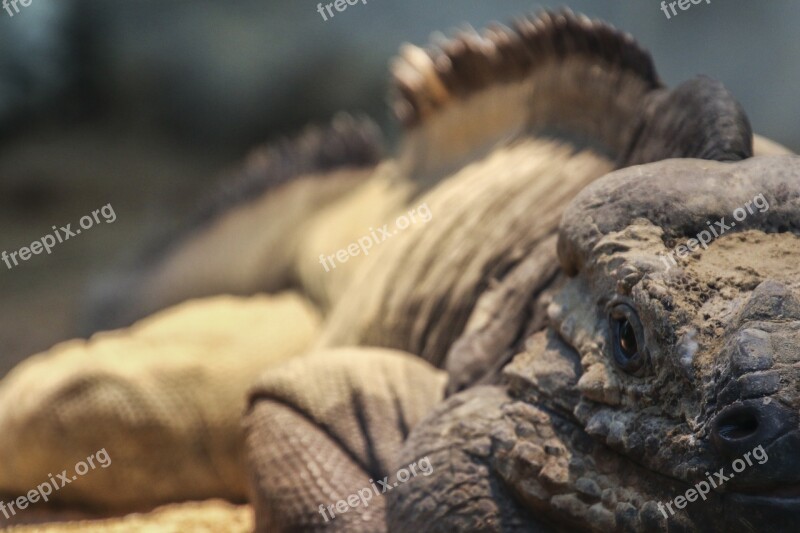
555	74
424	81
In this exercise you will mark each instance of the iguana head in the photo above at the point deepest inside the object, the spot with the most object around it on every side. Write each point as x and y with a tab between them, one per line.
654	377
683	310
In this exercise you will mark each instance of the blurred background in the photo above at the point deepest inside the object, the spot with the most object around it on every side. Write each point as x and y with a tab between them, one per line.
142	103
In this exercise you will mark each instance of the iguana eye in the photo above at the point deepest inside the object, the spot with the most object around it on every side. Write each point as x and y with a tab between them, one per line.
627	338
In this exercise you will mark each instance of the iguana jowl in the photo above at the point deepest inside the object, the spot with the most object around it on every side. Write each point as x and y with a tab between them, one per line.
587	381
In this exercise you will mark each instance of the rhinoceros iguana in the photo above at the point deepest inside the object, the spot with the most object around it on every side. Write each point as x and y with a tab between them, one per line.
534	357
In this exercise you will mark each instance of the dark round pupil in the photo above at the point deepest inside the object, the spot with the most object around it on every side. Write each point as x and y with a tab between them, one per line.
627	339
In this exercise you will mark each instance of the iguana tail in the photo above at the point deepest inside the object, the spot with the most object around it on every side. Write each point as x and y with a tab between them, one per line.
245	239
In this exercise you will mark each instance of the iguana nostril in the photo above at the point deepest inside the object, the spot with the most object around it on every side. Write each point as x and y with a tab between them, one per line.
737	425
741	427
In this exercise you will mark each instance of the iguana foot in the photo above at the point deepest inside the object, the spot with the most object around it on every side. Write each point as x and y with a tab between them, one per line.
323	430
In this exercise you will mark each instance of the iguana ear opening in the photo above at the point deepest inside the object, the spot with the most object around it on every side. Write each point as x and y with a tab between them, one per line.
683	197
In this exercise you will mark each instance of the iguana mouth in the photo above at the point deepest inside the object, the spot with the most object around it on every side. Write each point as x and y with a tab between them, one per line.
787	493
791	493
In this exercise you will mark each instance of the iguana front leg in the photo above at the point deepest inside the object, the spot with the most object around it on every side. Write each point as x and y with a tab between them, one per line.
327	428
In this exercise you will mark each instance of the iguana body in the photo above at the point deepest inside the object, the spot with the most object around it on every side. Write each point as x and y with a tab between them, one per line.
505	129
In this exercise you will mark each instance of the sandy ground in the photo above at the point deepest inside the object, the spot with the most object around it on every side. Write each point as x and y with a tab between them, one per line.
212	516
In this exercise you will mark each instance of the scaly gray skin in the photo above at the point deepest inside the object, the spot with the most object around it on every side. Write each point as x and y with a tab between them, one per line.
576	436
